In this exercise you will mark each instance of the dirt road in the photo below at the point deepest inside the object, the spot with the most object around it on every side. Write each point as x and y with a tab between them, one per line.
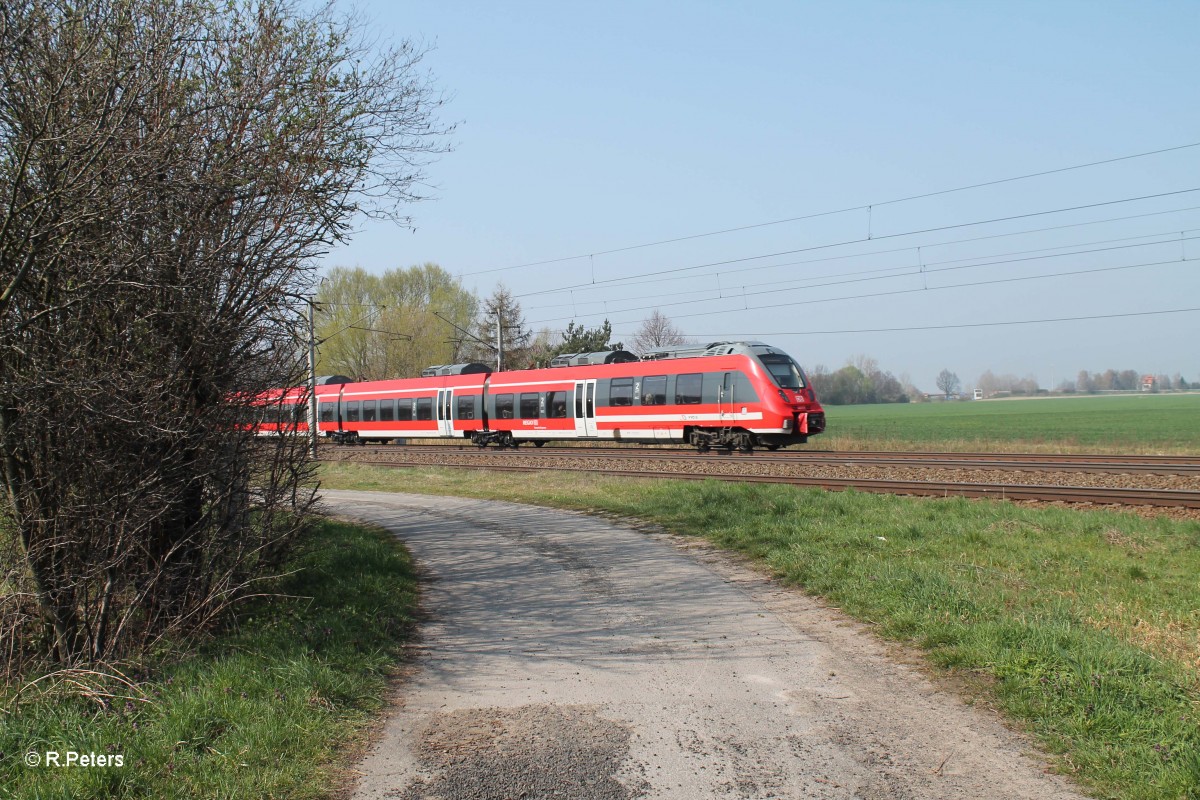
565	656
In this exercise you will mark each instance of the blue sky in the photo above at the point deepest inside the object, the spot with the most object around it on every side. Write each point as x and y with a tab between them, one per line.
592	128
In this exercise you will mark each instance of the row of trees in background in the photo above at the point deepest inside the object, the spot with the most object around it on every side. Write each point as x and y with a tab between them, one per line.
396	324
1126	380
861	381
1111	380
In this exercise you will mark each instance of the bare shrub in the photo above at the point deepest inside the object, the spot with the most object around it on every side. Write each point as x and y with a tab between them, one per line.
169	171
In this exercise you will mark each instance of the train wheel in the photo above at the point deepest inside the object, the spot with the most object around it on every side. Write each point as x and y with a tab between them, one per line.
540	443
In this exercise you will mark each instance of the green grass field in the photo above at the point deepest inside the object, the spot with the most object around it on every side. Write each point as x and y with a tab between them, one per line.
1148	423
1083	626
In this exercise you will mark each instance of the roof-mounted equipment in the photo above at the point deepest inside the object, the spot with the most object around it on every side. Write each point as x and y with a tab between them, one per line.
593	359
444	370
747	347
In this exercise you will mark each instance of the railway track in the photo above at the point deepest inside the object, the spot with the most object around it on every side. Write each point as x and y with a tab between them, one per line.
978	475
1028	462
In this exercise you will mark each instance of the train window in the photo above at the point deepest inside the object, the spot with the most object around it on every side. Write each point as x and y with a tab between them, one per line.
529	405
556	405
504	406
579	401
687	389
404	409
743	389
300	412
387	410
352	411
620	392
424	408
327	412
466	408
654	390
785	371
368	410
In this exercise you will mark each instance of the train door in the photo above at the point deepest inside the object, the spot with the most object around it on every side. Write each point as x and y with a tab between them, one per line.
725	399
445	412
585	408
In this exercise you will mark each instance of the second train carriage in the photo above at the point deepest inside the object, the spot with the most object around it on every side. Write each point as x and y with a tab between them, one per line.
726	394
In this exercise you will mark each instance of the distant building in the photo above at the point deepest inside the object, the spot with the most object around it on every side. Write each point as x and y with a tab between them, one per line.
1148	383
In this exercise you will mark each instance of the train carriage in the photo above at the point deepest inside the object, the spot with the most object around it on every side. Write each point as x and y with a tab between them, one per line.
726	394
438	406
278	412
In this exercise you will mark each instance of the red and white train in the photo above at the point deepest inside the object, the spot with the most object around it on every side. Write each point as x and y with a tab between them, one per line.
726	394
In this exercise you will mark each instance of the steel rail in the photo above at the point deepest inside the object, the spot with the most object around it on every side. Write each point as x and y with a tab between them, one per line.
1021	462
996	491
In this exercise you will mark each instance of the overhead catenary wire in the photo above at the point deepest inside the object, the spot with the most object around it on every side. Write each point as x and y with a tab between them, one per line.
655	277
1175	237
813	248
869	207
716	336
912	291
938	288
911	270
909	248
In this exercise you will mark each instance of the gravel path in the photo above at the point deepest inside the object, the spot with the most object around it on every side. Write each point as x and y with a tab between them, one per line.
565	656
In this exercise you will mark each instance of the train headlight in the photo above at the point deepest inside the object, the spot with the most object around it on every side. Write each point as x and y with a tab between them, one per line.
787	424
783	396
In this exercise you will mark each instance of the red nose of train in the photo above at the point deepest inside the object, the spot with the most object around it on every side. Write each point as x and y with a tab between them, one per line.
798	397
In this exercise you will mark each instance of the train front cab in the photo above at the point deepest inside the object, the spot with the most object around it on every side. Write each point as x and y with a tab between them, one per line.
762	396
801	415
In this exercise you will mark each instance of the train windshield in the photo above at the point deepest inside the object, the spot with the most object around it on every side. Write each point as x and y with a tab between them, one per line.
785	371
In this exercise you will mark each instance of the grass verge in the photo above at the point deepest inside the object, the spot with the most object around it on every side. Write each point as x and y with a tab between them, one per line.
1089	424
266	709
1083	626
